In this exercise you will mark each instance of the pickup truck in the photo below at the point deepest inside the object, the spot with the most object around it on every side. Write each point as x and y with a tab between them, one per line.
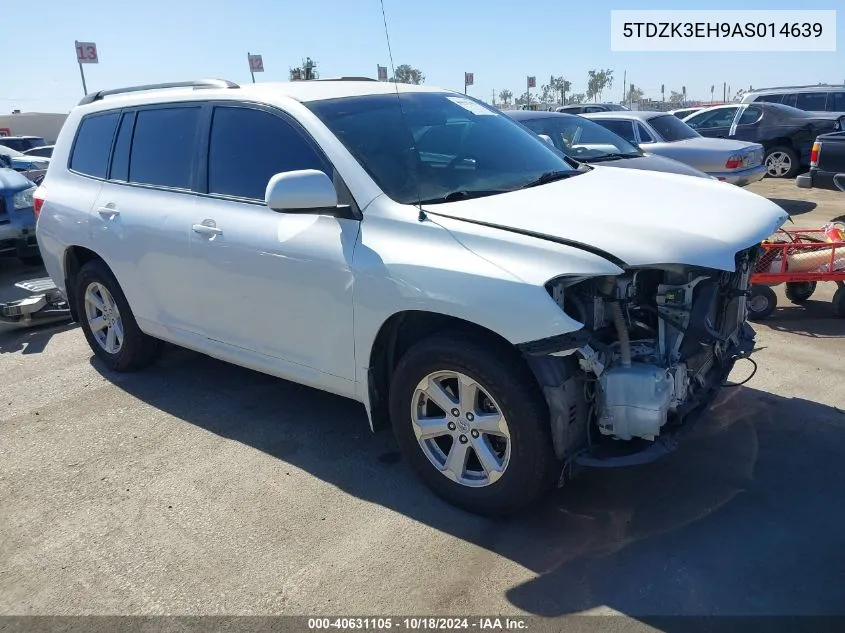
827	164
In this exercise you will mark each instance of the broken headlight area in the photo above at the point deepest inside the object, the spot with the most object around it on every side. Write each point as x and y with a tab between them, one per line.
657	344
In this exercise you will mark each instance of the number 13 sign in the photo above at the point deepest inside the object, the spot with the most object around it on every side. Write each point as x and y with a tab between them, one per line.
256	63
86	53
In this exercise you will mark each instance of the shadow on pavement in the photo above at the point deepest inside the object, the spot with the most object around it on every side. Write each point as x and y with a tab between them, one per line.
746	518
794	207
29	340
813	319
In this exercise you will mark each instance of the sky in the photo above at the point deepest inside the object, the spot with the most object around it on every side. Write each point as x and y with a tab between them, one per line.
501	42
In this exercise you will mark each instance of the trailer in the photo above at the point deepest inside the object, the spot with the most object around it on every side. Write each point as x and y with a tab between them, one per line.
45	304
801	259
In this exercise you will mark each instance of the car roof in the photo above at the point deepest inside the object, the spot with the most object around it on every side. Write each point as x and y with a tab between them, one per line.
633	115
302	91
529	115
18	137
815	88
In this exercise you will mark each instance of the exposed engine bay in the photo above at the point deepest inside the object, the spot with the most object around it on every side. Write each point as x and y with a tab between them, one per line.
656	346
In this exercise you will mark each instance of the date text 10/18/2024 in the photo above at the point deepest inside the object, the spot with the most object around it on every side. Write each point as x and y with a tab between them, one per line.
417	624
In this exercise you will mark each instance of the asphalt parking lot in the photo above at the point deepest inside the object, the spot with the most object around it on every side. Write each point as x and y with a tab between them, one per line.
197	487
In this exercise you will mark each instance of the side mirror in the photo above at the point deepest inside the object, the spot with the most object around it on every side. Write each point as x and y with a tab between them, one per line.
547	138
303	191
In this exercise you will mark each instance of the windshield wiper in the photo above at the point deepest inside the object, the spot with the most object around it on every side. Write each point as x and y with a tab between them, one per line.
611	156
550	176
462	195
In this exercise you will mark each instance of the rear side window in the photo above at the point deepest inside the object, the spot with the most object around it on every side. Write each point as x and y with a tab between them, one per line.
248	147
813	101
770	98
164	147
93	143
836	102
625	129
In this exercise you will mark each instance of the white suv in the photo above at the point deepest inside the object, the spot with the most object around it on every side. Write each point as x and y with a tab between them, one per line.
511	313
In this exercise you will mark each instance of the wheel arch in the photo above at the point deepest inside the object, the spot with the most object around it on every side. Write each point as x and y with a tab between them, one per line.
779	141
75	257
402	330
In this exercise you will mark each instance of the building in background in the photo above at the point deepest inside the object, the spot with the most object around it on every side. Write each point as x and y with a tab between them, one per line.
43	124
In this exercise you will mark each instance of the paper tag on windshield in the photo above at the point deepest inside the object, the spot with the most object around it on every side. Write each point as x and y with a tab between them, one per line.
471	106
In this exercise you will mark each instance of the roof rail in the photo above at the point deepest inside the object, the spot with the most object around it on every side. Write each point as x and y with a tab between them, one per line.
197	83
796	87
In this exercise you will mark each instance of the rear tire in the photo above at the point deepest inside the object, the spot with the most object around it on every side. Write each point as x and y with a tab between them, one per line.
111	329
761	303
839	302
800	291
781	162
525	461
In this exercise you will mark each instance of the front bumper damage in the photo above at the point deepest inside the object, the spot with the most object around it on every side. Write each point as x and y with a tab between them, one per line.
575	448
656	349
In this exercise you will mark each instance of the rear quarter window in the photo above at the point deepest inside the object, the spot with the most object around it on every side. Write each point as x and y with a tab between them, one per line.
811	101
90	155
836	102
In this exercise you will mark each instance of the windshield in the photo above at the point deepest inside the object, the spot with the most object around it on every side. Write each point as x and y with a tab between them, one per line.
582	139
437	145
671	128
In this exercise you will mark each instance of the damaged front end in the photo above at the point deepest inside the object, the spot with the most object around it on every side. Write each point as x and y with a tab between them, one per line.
657	345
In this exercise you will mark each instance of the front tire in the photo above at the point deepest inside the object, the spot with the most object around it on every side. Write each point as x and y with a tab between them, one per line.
108	322
472	423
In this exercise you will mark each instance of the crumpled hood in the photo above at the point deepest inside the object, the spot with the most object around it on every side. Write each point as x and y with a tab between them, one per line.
640	217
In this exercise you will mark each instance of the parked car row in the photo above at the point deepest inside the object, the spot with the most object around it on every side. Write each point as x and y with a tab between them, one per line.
786	133
728	160
588	142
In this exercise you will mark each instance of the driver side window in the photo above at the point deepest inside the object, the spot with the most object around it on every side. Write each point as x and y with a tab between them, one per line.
249	146
645	137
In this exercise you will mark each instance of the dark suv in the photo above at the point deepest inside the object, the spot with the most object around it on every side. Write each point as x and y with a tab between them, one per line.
22	143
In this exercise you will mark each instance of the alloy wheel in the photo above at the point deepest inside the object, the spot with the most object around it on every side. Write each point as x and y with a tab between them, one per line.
778	164
103	318
461	429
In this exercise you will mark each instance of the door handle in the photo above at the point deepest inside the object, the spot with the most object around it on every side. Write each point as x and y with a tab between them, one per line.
206	229
108	212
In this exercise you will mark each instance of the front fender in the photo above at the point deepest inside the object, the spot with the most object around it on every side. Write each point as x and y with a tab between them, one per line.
489	277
